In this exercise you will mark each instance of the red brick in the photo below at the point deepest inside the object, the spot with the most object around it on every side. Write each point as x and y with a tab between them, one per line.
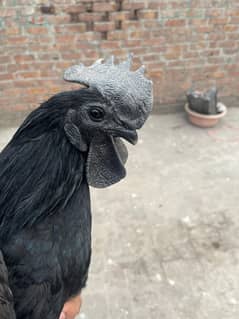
92	54
49	73
66	38
12	68
173	53
231	28
3	68
12	31
157	5
30	74
120	15
104	26
70	55
234	20
17	40
211	52
4	59
198	22
74	28
56	20
110	44
175	23
87	1
152	24
75	8
12	92
105	6
229	44
216	12
154	66
140	34
231	51
120	53
150	42
219	21
83	45
37	30
155	73
9	12
216	36
62	65
218	75
91	16
233	12
24	84
37	19
132	43
4	103
88	36
44	39
129	25
151	57
19	107
38	47
158	49
147	14
5	77
43	65
26	11
133	5
233	36
205	29
24	58
117	35
190	55
48	56
36	90
139	51
216	60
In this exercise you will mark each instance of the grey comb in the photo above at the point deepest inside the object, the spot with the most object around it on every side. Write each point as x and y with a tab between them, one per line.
127	90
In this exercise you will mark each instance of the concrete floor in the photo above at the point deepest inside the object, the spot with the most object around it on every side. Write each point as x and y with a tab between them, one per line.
166	239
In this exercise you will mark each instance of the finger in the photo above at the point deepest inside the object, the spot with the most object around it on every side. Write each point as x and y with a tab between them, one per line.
62	316
72	307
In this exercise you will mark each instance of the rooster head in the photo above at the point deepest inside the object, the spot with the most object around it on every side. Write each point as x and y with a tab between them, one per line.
116	103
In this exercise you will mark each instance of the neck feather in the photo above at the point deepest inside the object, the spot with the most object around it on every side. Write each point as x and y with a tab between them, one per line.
39	172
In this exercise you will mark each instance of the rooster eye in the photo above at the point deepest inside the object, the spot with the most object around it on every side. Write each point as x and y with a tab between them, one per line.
96	114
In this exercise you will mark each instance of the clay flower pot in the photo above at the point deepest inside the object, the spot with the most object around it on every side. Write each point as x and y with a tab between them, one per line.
204	120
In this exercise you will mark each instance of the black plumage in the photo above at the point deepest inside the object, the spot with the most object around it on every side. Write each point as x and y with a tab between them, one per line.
6	298
70	142
45	213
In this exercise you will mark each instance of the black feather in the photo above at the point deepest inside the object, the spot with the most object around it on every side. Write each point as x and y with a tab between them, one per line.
39	169
6	298
45	216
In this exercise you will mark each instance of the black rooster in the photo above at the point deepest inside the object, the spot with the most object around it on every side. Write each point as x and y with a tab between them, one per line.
69	142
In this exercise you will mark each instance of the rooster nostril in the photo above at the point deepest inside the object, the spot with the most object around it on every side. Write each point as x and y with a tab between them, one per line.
127	123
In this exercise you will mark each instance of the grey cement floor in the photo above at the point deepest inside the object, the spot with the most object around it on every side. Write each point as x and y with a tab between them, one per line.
166	239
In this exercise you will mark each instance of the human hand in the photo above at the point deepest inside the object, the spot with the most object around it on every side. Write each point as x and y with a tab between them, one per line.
71	308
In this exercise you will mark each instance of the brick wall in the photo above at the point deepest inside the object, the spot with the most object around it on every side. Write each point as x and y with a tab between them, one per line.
182	42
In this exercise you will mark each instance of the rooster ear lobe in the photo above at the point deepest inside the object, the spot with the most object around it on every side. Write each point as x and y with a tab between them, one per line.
73	133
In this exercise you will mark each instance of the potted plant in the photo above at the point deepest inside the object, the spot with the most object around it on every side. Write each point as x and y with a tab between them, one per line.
203	108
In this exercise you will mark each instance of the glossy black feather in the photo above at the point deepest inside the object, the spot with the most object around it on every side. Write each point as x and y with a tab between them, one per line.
6	298
45	217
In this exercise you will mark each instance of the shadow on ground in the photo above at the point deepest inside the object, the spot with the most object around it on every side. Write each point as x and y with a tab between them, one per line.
165	240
